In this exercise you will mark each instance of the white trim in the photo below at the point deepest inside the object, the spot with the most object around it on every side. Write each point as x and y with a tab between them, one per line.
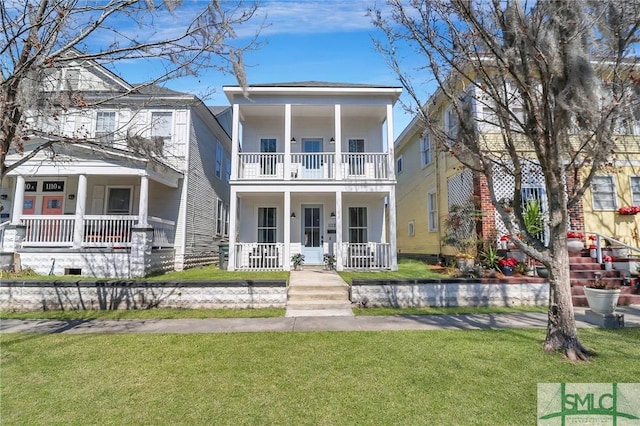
615	194
432	222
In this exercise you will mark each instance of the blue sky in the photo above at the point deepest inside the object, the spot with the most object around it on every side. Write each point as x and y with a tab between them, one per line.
329	40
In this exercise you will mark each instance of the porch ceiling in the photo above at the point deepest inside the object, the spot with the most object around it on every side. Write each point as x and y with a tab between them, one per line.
301	111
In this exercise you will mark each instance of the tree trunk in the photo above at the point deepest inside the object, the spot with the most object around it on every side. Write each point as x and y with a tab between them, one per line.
562	333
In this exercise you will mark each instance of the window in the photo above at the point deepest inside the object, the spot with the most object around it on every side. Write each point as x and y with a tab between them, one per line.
73	79
219	217
399	164
227	167
161	125
425	150
219	154
432	211
604	193
411	228
358	225
267	224
635	190
226	220
105	126
451	122
118	200
356	158
268	159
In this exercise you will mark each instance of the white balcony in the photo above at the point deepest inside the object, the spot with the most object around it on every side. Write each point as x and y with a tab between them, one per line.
320	166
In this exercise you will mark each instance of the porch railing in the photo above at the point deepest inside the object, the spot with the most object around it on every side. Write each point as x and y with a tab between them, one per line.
260	166
108	230
2	226
313	166
259	256
366	255
45	230
365	166
164	232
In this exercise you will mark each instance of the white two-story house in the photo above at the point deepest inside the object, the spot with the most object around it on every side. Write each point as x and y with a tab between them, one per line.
312	174
139	184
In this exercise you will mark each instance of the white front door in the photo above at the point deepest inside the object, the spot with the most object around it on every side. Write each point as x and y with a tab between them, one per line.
312	235
312	166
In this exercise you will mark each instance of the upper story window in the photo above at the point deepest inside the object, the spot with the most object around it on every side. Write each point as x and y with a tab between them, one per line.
105	125
219	155
399	164
268	162
451	122
425	150
635	190
604	193
161	126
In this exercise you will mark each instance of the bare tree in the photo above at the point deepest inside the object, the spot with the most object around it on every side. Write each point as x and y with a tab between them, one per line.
554	79
39	36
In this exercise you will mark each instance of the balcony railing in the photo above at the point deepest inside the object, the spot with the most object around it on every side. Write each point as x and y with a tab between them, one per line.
259	256
366	255
313	166
97	231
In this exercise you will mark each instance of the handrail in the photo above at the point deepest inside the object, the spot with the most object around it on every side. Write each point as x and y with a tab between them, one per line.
3	224
599	238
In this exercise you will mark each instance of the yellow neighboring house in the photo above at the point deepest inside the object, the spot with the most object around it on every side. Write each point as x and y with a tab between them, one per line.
431	181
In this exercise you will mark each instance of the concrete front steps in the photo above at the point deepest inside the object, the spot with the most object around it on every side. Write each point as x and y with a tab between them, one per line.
315	292
583	272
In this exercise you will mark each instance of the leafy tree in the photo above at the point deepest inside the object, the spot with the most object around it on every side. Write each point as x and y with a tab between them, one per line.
41	35
556	79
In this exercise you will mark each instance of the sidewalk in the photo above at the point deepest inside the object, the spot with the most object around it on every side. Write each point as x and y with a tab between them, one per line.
302	324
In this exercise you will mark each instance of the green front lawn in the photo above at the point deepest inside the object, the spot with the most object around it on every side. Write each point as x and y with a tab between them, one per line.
407	269
340	378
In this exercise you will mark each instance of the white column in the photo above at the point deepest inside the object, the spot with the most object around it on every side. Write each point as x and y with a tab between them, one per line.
18	201
287	142
287	231
81	203
143	206
390	142
339	260
233	206
393	245
338	137
235	135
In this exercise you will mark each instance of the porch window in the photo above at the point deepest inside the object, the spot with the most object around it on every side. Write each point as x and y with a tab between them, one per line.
219	217
635	190
432	211
161	125
105	125
356	159
268	162
267	224
425	150
358	225
604	193
118	201
219	154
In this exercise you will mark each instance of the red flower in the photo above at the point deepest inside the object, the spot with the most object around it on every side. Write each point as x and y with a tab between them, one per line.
607	258
629	210
577	235
508	261
592	237
505	237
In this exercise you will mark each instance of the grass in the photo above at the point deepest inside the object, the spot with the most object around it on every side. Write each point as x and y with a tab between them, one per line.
156	313
348	378
205	273
407	269
459	310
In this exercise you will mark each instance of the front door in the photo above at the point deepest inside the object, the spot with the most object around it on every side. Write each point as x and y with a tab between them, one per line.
312	165
312	235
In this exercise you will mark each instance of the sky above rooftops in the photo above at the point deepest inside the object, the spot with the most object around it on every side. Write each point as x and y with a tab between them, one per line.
312	40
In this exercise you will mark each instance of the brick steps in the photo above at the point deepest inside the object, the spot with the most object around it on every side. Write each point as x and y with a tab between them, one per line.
583	270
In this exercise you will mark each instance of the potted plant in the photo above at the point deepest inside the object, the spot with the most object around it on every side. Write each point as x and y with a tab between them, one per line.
490	258
508	265
329	261
465	261
575	242
607	260
297	260
542	271
460	232
602	296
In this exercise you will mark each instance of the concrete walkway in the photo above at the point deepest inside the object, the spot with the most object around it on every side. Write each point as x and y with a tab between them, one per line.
316	292
304	324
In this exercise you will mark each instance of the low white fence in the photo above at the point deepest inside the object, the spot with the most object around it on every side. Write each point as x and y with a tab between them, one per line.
366	255
259	256
108	230
47	230
164	232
